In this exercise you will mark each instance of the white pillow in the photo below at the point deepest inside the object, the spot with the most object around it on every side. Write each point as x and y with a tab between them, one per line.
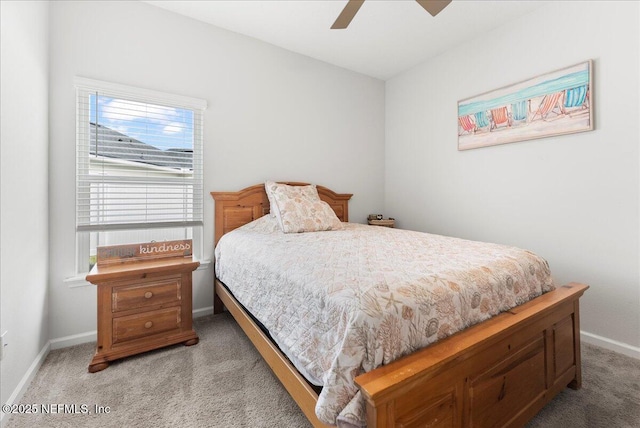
269	188
300	209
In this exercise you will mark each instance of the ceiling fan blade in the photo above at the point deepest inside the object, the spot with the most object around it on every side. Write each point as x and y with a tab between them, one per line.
434	7
347	14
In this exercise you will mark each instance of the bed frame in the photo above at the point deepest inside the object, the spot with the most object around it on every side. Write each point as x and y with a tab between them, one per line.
500	372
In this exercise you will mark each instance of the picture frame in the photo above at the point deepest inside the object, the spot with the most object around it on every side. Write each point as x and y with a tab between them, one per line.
555	103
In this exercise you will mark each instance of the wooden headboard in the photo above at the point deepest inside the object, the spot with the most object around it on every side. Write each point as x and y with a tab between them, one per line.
235	209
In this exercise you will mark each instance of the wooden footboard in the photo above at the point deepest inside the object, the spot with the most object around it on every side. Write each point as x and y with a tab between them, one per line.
497	373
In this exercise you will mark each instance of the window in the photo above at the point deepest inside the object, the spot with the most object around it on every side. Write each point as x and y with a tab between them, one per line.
138	167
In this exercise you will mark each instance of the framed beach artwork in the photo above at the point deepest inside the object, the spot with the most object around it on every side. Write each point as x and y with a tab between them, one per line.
555	103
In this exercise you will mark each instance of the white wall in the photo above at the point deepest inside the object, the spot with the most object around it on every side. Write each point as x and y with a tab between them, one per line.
272	114
24	199
573	199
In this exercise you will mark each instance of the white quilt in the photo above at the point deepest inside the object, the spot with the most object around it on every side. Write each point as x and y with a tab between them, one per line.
340	303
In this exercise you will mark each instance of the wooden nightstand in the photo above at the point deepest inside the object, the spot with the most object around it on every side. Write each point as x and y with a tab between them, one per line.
390	222
142	305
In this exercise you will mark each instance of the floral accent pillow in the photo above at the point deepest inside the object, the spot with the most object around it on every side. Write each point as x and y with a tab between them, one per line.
299	208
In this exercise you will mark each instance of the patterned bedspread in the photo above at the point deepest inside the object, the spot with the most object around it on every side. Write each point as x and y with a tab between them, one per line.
344	302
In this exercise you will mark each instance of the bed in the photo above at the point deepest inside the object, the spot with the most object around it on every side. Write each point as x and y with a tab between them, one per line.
498	372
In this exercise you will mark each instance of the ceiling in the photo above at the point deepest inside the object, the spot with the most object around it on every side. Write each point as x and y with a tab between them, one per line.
385	38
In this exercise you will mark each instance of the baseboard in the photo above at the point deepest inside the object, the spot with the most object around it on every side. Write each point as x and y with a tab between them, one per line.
203	312
75	339
610	344
25	382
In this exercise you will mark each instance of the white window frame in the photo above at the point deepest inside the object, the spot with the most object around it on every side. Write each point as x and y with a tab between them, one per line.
84	85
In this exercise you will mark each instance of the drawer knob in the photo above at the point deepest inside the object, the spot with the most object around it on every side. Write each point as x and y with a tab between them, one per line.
148	324
148	295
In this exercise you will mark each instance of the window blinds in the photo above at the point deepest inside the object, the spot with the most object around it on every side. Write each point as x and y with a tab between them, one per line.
139	158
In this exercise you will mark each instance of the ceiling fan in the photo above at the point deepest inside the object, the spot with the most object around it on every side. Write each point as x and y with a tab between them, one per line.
434	7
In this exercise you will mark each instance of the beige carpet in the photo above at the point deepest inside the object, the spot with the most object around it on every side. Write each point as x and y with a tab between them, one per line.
223	382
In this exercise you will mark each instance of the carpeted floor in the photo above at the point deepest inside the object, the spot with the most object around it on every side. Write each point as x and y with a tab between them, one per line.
223	382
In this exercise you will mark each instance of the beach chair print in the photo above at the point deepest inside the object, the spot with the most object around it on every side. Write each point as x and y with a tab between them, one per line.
519	111
467	124
499	117
576	101
576	97
549	104
482	121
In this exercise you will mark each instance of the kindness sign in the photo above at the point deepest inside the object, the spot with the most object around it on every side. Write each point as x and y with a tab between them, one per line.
144	251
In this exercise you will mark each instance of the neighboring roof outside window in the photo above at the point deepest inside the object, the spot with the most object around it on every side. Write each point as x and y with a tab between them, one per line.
114	144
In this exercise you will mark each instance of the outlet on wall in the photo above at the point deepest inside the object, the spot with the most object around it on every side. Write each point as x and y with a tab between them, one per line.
3	344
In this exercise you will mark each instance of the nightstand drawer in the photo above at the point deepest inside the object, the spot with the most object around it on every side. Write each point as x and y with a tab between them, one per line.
145	324
141	295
